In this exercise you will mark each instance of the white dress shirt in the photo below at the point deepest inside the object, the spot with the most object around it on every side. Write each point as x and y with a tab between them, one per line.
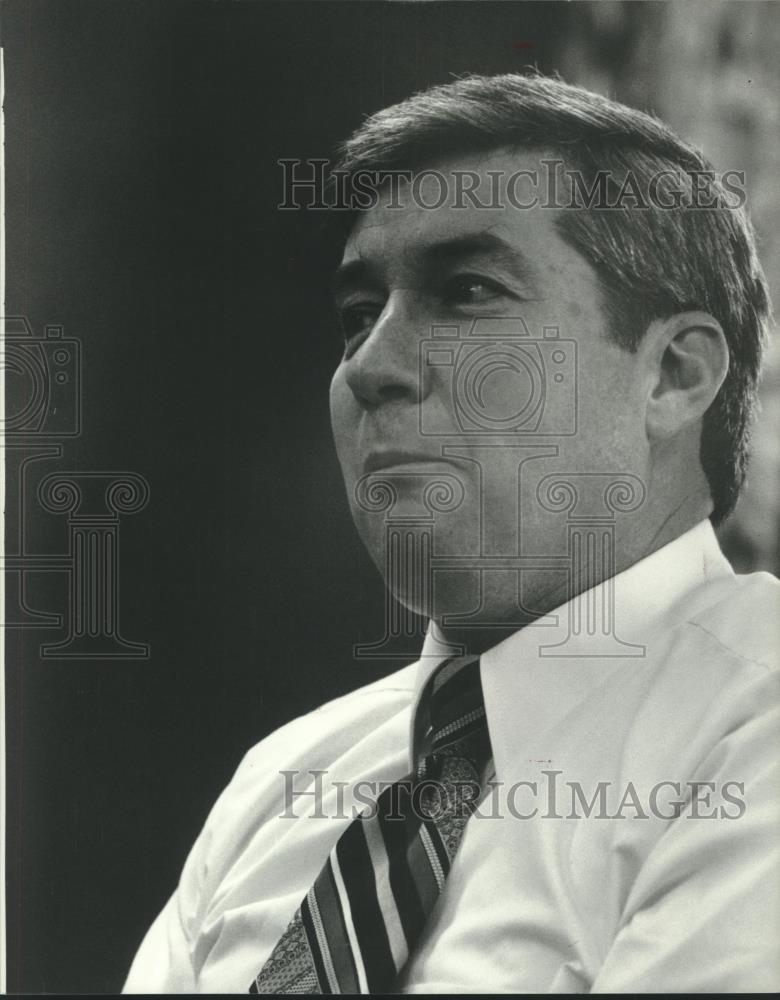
634	895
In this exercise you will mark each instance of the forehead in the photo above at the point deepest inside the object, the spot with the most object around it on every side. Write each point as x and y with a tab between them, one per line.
390	234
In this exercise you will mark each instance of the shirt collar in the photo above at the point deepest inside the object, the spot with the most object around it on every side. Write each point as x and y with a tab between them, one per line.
548	666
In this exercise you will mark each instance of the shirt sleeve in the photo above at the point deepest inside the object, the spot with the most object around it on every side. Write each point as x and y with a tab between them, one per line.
162	963
169	957
704	912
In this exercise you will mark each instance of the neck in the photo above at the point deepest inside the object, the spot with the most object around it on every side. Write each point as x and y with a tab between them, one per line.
638	542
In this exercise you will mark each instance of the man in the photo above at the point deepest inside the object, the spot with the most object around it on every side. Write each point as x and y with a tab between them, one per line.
553	317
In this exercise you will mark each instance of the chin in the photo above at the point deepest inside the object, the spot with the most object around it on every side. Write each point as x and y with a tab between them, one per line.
451	594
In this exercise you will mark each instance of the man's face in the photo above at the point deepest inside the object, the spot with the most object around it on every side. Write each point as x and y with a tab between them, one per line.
477	366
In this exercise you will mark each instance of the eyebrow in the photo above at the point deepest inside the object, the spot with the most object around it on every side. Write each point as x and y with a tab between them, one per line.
440	253
354	274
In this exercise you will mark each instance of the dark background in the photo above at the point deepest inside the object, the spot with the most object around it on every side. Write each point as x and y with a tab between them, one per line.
141	148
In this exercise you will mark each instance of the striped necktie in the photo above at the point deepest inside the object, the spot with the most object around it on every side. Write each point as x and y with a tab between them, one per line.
358	924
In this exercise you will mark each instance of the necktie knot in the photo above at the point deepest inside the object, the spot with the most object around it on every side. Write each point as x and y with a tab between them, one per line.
451	716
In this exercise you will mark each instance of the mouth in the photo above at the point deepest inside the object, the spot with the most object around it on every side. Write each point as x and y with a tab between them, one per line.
379	460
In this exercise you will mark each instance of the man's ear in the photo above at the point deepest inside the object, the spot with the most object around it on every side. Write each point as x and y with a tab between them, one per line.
686	359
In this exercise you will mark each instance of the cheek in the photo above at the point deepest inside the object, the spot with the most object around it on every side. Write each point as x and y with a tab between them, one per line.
342	417
609	382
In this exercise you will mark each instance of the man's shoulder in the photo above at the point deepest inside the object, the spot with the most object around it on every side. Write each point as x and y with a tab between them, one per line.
738	615
398	685
337	724
368	725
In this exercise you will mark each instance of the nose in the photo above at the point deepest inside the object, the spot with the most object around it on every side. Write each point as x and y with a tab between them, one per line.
386	366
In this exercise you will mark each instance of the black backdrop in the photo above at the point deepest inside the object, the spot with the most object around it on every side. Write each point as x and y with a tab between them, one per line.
141	145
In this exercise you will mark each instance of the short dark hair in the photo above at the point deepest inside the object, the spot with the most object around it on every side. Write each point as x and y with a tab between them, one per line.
651	263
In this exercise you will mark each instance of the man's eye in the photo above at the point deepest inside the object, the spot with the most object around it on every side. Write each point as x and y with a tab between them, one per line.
469	289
